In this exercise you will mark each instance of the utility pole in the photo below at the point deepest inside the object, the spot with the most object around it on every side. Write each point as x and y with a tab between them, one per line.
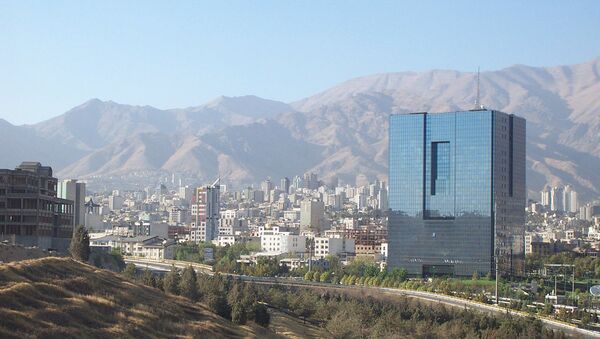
496	256
310	242
573	284
495	221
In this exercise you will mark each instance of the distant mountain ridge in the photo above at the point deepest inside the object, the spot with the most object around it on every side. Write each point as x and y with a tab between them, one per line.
338	133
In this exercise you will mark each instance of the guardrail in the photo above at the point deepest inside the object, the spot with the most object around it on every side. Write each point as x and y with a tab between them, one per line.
170	262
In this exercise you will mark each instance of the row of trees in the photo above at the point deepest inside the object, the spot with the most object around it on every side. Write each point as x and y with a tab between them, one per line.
586	267
358	272
228	298
355	314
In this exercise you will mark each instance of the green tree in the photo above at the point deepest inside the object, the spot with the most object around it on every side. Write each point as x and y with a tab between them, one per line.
261	315
160	283
129	271
335	280
335	265
308	276
371	270
189	284
398	274
218	304
171	281
324	277
148	278
238	313
548	309
80	244
236	293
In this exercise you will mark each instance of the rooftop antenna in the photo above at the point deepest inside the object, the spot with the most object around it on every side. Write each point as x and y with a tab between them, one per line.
478	104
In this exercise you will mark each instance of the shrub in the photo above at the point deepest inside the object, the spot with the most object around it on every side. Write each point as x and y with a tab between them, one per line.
80	245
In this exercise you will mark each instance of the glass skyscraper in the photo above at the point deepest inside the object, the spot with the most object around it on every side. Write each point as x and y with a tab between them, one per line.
456	192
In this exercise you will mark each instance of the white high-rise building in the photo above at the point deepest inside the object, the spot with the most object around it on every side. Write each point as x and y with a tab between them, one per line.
556	199
560	198
266	186
206	212
570	200
115	202
360	200
382	199
311	181
285	185
545	197
75	191
186	193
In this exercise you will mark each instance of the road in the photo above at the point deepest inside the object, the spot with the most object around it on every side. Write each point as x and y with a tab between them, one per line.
165	265
427	296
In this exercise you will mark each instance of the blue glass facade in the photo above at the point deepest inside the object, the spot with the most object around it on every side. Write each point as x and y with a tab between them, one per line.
457	187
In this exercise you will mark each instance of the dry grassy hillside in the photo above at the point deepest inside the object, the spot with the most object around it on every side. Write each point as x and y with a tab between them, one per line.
62	298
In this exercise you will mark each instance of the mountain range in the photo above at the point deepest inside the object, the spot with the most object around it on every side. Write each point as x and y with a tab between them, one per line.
340	133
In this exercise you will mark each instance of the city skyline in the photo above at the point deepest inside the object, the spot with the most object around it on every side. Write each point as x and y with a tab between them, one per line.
332	169
344	125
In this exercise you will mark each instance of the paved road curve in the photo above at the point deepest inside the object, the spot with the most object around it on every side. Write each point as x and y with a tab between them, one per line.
428	296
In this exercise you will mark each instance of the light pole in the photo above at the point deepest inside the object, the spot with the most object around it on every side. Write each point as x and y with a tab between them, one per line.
496	258
496	252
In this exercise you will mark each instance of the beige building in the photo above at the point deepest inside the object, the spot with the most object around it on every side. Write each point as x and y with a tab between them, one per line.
151	247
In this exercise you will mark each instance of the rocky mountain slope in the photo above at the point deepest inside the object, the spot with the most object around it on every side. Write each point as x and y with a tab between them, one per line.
339	133
561	105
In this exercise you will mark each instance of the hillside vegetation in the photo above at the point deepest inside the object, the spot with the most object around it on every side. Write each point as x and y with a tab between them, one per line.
61	298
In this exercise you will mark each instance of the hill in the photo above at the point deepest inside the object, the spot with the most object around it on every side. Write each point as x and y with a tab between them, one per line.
338	133
62	298
560	104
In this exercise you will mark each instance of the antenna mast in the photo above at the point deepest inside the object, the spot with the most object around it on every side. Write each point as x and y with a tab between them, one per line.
478	104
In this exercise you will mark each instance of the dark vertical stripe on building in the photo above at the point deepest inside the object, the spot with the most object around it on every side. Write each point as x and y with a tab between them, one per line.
424	190
493	192
510	155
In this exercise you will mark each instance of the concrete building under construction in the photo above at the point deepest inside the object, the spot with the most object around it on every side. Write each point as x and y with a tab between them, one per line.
31	214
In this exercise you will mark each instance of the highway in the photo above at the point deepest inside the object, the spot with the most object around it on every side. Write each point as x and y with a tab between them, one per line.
427	296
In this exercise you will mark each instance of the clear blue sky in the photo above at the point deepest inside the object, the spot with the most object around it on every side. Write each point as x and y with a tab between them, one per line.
57	54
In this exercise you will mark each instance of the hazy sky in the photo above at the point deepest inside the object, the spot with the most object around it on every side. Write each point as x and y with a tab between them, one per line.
57	54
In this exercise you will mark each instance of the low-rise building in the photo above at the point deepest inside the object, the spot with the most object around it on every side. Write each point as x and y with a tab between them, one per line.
368	250
332	246
273	241
151	247
225	240
231	223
